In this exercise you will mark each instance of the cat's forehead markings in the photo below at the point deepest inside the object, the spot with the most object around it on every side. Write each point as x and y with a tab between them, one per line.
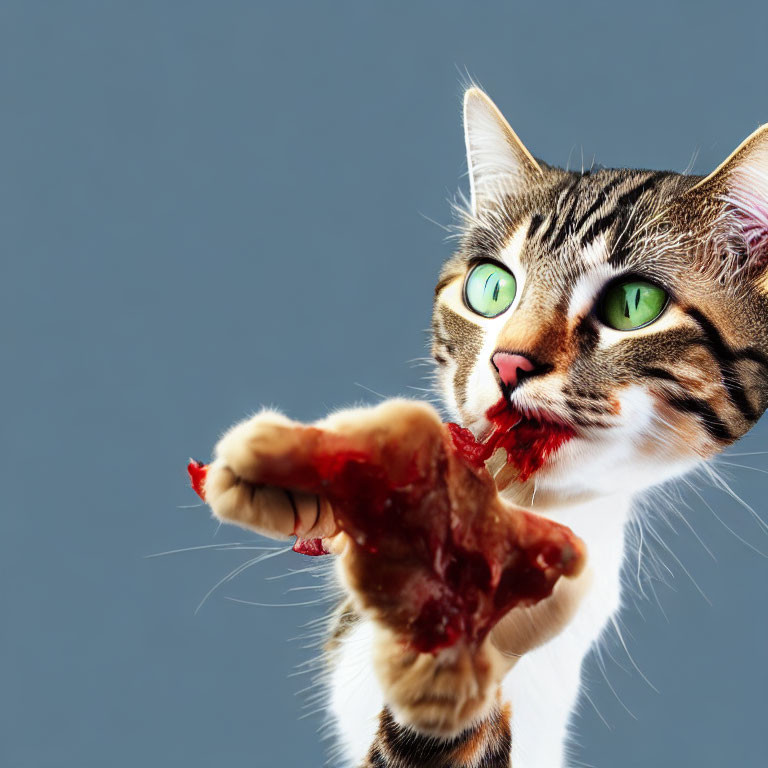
510	253
594	253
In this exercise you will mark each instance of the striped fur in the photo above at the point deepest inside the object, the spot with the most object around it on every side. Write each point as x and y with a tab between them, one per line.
582	226
485	745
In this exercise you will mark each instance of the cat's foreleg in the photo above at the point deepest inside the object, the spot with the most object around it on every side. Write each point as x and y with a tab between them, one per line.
383	697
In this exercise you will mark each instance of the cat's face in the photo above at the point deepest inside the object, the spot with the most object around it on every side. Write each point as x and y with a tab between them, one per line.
629	305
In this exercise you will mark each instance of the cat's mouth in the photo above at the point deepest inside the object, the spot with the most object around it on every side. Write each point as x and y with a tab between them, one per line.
529	440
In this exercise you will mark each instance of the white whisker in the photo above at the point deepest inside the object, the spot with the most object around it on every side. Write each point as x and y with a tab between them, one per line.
273	605
221	546
247	564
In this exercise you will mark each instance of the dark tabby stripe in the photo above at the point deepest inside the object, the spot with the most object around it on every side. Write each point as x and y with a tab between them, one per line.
624	212
726	358
536	221
557	215
712	423
583	421
565	216
561	219
559	238
624	201
486	745
577	407
602	199
547	233
660	373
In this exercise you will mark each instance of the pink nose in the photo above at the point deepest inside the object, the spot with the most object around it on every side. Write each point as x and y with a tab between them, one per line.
508	365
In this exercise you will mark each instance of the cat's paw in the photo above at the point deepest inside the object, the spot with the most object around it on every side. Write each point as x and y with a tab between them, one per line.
439	694
268	469
234	491
398	424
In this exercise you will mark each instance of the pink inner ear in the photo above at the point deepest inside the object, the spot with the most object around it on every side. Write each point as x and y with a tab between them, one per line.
748	196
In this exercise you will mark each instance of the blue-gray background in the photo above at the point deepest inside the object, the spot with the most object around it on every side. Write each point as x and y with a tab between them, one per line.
207	207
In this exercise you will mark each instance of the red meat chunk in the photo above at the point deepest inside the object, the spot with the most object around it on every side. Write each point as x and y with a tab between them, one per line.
435	553
528	442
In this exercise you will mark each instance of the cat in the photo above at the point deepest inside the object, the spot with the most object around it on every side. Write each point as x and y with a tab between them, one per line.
629	305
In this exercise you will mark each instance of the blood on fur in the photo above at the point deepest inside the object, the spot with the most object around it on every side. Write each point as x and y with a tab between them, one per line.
436	554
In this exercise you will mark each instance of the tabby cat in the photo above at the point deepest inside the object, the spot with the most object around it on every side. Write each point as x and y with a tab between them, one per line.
630	305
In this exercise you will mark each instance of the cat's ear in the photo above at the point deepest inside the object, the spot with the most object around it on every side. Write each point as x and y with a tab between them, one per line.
499	164
738	192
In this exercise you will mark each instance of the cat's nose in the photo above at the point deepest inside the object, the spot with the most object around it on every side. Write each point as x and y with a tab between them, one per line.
512	368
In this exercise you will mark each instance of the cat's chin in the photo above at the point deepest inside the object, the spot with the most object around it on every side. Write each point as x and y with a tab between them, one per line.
539	499
563	479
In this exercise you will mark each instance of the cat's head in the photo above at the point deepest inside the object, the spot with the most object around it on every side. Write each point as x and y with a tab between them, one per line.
630	305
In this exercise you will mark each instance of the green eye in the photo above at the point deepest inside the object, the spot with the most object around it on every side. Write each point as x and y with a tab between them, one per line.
632	304
490	289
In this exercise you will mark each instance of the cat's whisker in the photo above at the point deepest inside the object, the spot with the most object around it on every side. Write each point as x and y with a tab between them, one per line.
720	483
673	506
581	763
237	571
617	628
315	587
446	228
275	605
372	391
601	666
695	533
313	570
221	546
589	698
692	161
722	522
668	549
741	466
639	557
606	648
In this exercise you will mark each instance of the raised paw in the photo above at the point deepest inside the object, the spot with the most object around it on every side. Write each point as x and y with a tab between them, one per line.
429	549
273	475
236	490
